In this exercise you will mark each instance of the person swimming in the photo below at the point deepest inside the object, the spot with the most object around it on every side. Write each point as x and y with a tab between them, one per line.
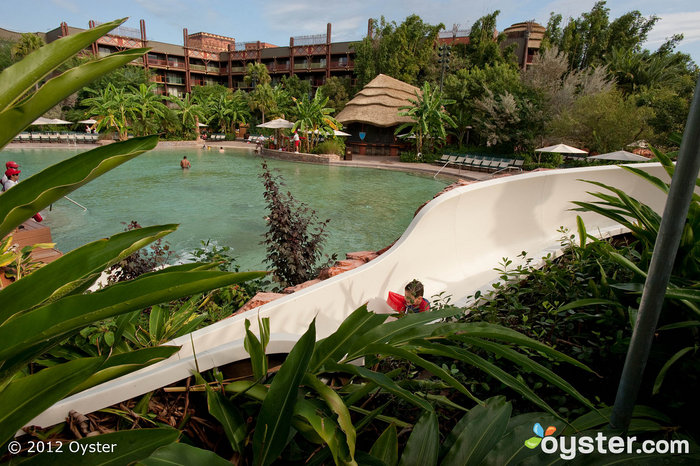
184	163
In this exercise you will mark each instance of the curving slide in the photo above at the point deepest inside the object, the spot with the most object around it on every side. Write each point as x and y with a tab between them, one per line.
452	246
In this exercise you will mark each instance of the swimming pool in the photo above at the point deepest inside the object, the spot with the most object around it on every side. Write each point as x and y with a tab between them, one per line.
221	198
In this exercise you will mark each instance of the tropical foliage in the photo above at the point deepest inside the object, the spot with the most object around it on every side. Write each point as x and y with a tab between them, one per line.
40	310
429	117
314	119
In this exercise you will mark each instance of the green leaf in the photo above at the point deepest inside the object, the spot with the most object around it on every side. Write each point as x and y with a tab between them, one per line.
587	302
125	363
512	449
336	404
417	360
19	78
685	324
229	417
488	368
667	365
423	445
56	320
482	427
274	419
15	119
183	454
383	381
325	429
386	448
530	366
334	347
26	397
582	236
56	181
126	447
255	349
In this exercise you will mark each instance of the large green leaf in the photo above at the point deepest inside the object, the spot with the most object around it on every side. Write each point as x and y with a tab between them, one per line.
125	447
386	448
71	271
383	381
274	419
336	404
667	365
256	348
124	363
482	428
326	429
488	368
182	454
529	365
423	445
56	181
408	327
57	319
16	118
335	346
229	417
26	397
511	449
427	365
19	78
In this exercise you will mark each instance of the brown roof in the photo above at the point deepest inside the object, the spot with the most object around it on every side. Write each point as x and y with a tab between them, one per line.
378	103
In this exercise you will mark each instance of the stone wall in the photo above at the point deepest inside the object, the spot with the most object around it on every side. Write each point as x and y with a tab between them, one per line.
300	156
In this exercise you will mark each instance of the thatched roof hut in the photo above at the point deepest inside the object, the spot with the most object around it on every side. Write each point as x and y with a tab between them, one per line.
372	115
378	103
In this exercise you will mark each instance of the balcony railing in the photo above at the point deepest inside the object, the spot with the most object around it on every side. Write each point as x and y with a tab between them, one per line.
157	61
237	69
301	66
180	82
176	64
212	69
317	65
198	67
341	64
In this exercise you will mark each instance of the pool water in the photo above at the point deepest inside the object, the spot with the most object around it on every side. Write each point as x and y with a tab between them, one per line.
221	199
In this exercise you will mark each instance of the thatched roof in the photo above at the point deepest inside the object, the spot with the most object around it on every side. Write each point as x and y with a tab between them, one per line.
378	103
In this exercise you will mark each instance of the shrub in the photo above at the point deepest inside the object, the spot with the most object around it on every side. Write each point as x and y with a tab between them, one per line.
331	146
294	238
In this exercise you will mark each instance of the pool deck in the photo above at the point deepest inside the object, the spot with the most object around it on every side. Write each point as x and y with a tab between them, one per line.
379	162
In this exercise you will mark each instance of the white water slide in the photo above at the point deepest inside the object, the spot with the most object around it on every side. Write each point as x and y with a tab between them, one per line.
452	246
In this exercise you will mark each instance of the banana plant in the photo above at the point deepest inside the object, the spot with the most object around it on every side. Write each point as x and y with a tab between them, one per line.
49	305
320	413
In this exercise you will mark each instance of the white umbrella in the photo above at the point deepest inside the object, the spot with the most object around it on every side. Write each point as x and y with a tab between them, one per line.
340	133
561	149
89	121
201	125
50	121
622	155
276	124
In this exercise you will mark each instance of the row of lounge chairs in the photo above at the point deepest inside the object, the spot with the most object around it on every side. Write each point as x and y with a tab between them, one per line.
74	138
216	137
480	162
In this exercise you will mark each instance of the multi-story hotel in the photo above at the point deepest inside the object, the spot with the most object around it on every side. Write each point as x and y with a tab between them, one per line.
206	59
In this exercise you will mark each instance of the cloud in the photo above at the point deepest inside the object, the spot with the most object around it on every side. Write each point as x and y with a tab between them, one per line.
687	23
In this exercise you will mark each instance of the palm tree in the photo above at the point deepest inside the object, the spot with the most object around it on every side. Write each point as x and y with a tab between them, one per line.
112	107
238	106
256	74
148	109
429	116
219	110
313	117
189	111
26	44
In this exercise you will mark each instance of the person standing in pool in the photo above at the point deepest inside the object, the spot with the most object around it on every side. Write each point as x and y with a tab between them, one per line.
184	163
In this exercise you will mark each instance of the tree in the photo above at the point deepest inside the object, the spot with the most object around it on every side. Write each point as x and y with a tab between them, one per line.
296	87
338	92
112	108
484	47
405	52
148	109
256	73
588	39
5	54
466	86
603	122
269	101
429	117
314	118
27	43
190	112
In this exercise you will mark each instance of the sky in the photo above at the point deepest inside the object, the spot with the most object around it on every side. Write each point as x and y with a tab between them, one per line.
275	21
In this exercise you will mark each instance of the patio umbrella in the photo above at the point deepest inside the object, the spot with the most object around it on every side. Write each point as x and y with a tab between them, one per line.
560	149
50	121
620	155
89	121
201	125
340	133
277	123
